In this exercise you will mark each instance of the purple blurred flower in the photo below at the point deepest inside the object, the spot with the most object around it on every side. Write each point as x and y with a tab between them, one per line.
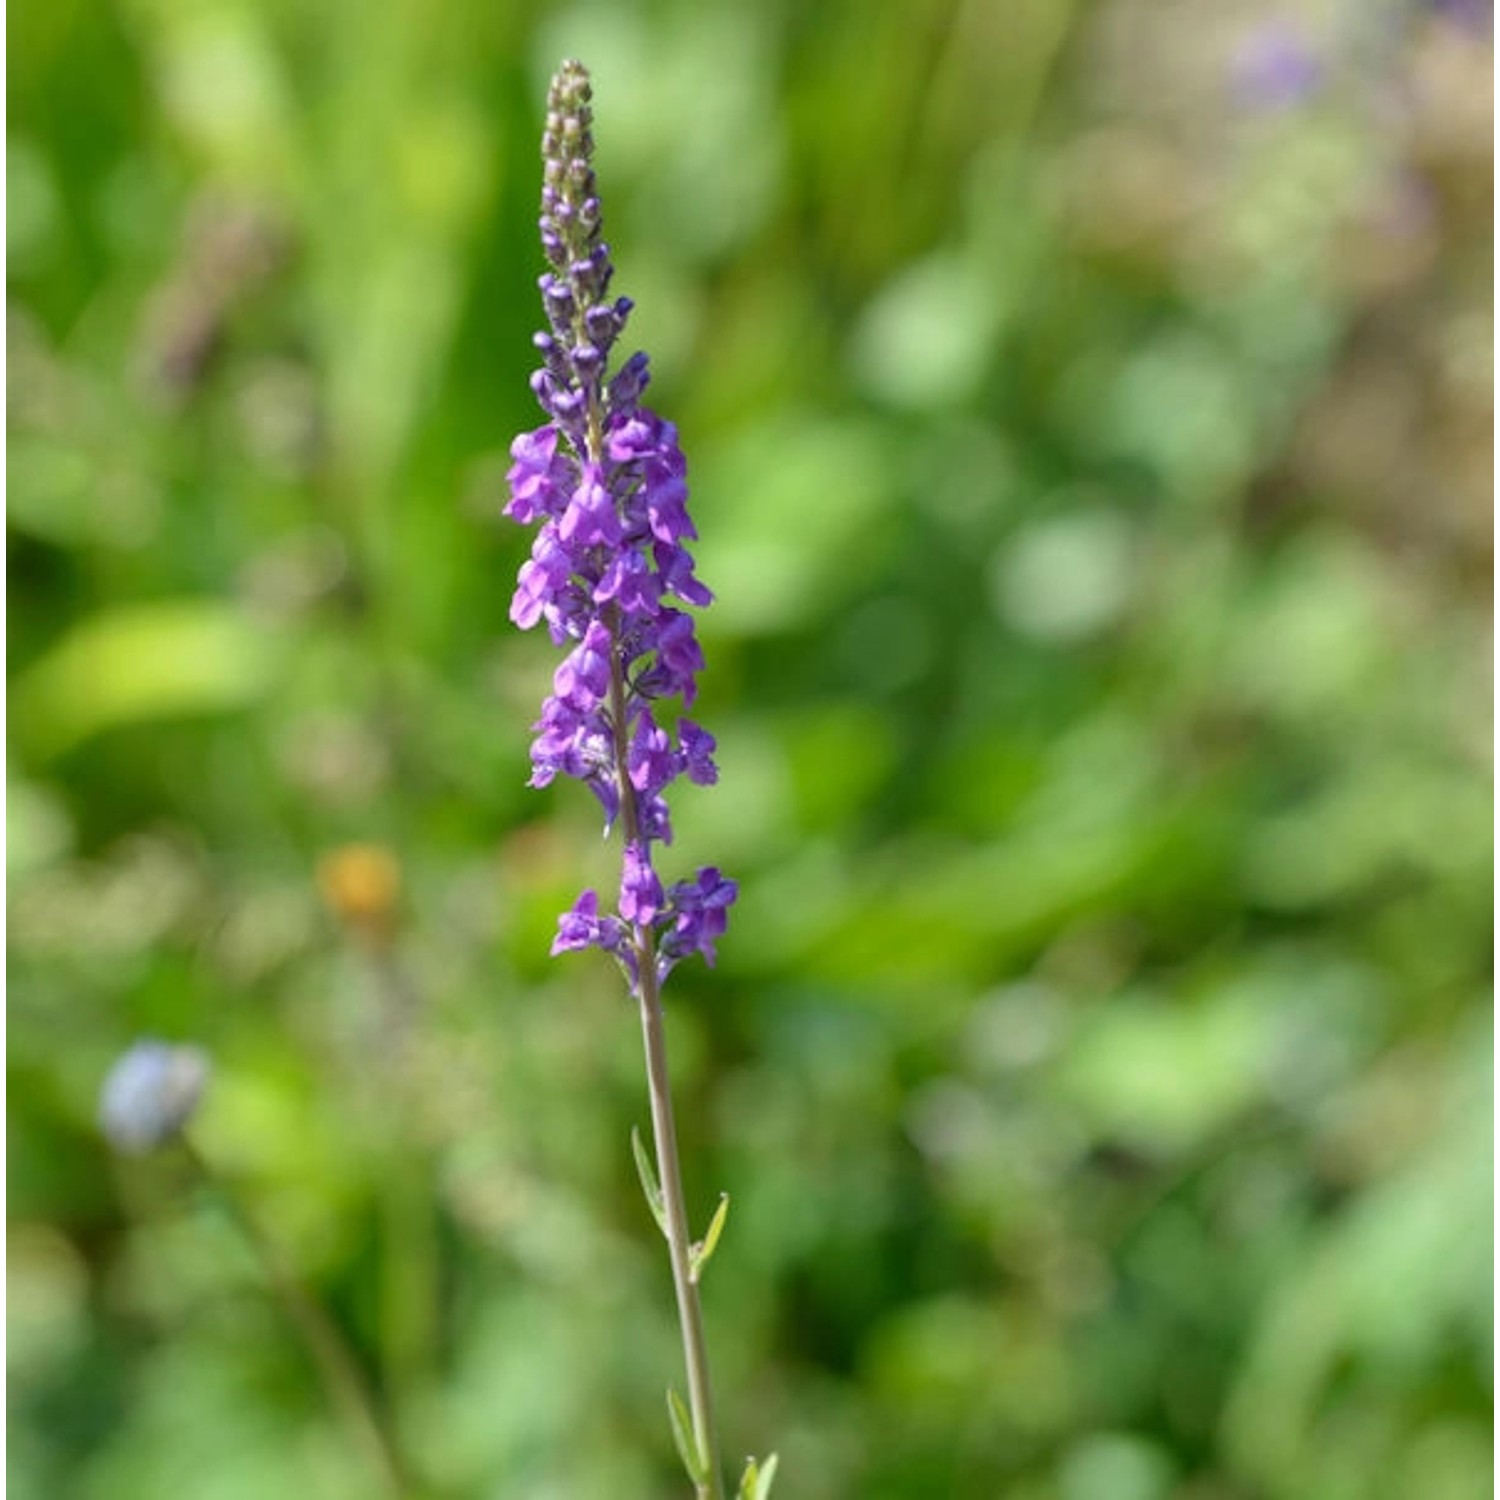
605	479
1275	67
1476	16
150	1095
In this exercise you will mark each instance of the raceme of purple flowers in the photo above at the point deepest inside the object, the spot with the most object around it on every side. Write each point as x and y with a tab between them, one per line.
606	480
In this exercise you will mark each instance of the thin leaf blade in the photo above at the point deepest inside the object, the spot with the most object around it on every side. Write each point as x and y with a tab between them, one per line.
682	1434
710	1241
755	1482
766	1479
649	1185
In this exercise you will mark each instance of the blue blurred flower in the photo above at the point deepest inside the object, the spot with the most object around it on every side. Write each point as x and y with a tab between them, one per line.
150	1094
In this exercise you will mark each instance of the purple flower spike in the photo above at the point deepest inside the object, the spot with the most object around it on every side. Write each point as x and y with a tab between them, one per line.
606	481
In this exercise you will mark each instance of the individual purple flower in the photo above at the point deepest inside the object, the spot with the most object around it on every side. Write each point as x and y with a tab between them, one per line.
679	658
675	568
606	481
150	1094
640	889
698	747
543	580
629	579
649	761
539	479
698	912
583	927
583	678
591	519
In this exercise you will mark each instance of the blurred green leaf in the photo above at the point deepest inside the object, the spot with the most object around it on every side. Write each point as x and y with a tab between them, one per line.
140	664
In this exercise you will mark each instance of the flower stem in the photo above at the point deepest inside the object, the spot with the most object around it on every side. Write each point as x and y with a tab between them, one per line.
700	1393
663	1124
348	1390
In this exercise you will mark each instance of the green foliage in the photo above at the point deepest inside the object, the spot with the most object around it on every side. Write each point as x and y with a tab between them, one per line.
1093	467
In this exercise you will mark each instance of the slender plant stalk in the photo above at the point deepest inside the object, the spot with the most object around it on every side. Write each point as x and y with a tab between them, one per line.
343	1380
664	1129
689	1312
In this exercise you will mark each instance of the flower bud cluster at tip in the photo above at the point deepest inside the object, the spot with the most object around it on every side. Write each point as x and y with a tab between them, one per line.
150	1094
606	480
583	322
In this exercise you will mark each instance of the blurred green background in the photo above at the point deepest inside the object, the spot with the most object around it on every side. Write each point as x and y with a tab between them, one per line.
1088	408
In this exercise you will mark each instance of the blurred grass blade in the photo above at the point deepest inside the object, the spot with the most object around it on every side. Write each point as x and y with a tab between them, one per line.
709	1243
649	1185
687	1444
767	1479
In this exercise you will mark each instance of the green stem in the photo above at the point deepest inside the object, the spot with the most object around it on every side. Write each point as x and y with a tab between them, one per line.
344	1381
663	1123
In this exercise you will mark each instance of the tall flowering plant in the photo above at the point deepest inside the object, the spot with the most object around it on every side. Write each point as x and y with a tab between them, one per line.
608	570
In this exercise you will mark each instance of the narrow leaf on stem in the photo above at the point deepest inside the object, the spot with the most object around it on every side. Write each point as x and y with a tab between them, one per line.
687	1444
710	1241
649	1185
755	1482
